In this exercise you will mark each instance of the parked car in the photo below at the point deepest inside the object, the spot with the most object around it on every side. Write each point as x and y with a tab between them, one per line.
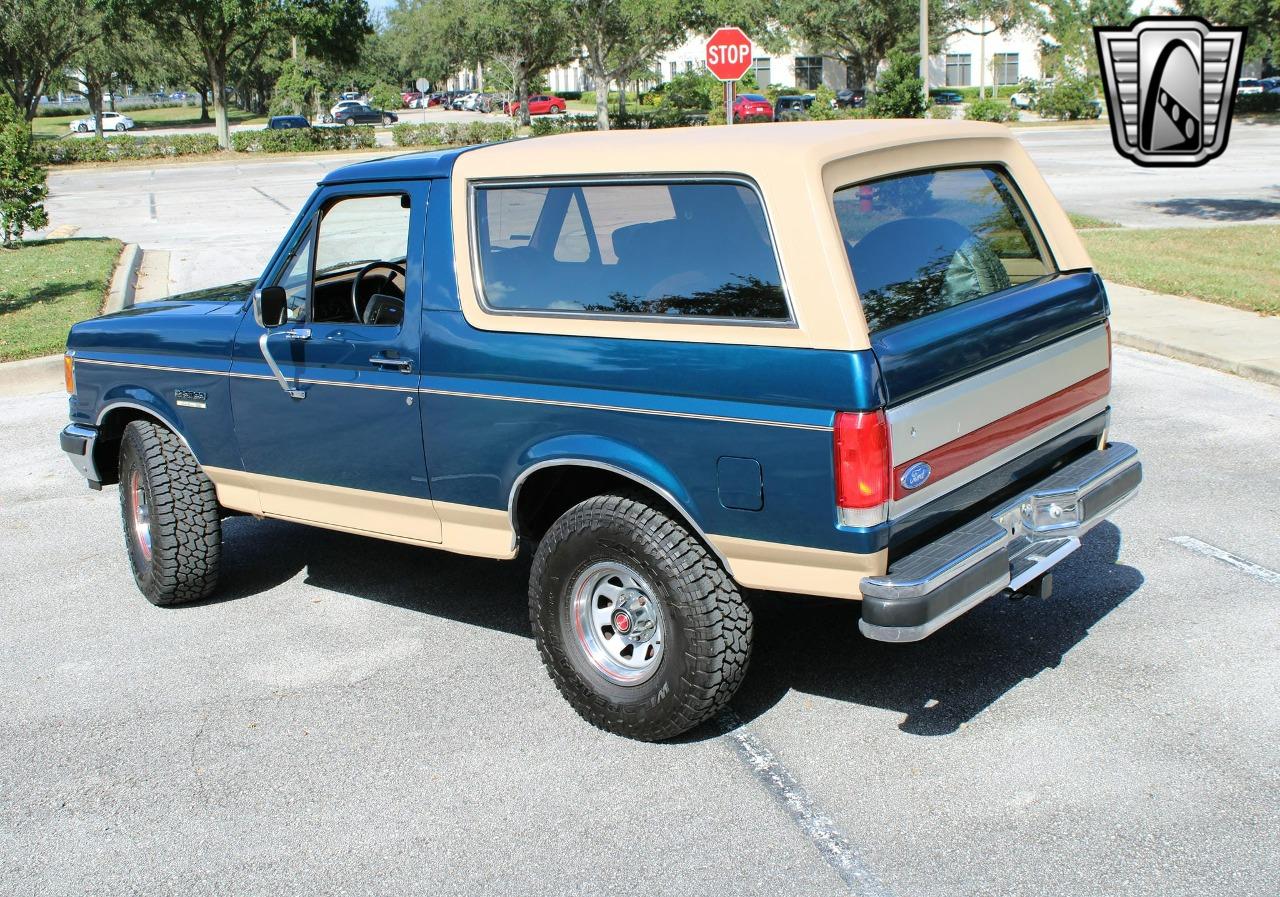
181	95
111	121
364	115
340	105
947	97
851	98
751	105
919	423
1021	100
1248	86
350	95
543	104
792	106
409	97
287	122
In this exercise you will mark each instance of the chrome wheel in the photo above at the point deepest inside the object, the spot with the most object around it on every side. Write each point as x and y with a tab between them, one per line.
140	516
618	622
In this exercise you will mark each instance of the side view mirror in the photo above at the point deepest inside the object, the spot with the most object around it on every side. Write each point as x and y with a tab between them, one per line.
270	305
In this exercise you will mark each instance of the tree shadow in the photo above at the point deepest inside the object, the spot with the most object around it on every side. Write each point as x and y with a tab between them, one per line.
801	644
49	291
1214	209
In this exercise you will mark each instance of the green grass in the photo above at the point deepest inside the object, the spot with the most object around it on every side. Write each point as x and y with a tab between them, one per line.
45	287
148	120
1088	222
1236	265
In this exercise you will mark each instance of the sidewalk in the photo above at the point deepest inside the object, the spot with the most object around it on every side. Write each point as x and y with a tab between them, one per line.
1202	333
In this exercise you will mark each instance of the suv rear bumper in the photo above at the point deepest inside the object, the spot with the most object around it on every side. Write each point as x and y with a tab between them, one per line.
1005	550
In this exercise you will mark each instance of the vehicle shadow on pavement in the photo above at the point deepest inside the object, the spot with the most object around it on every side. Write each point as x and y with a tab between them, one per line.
259	555
802	644
814	646
1214	209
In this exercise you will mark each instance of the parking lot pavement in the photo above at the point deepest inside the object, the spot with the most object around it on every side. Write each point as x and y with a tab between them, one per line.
357	717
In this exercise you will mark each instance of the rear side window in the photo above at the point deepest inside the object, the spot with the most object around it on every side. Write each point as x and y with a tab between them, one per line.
924	242
672	250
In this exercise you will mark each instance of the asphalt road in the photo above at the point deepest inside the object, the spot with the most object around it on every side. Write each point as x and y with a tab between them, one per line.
356	717
221	221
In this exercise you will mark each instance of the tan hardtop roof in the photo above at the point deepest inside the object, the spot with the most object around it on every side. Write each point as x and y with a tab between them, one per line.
738	148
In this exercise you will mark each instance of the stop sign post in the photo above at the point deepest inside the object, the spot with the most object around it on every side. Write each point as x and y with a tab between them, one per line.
728	58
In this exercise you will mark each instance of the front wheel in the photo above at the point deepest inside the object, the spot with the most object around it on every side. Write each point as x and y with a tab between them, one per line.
170	514
120	127
82	128
640	627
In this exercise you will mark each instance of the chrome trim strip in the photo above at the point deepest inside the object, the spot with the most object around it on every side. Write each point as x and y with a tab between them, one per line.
477	266
946	414
901	507
600	465
653	411
242	375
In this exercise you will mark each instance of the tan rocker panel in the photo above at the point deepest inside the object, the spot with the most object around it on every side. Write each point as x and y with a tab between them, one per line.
797	167
416	521
485	532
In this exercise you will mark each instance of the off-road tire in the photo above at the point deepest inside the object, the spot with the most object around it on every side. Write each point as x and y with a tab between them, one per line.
185	527
707	625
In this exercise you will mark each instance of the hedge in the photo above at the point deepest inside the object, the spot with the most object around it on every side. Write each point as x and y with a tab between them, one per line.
450	133
123	146
990	110
304	140
1253	103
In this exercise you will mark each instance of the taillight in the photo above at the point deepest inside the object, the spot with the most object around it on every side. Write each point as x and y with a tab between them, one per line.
862	462
69	372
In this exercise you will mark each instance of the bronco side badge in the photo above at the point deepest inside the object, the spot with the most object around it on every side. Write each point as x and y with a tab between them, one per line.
916	475
186	398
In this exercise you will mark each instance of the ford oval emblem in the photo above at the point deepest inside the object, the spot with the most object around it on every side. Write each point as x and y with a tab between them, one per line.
916	475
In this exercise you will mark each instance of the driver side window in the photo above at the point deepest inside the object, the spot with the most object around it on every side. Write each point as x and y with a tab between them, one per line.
358	273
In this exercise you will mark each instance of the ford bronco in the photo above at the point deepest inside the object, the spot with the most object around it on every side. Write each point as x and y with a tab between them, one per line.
863	360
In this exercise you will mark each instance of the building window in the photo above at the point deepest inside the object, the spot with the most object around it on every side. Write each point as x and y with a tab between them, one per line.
1006	68
959	70
688	65
809	72
762	66
675	68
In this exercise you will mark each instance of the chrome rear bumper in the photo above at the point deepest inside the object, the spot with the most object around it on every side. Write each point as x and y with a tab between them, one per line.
1005	550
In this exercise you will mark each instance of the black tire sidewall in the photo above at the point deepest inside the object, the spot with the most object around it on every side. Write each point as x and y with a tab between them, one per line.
133	459
619	544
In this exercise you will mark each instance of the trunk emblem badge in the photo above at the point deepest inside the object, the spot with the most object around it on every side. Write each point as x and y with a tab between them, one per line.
916	475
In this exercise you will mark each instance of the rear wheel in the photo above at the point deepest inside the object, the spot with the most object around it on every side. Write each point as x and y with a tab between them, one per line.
386	119
641	629
170	514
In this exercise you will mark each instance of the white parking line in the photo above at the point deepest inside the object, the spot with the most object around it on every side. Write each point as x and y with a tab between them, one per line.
817	826
1264	573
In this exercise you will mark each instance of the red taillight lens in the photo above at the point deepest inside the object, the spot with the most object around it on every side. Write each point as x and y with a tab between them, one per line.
862	459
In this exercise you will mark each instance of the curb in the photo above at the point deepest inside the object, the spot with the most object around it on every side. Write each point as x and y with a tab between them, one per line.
1181	353
120	295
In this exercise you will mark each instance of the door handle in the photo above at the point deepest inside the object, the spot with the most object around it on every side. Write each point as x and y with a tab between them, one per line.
404	365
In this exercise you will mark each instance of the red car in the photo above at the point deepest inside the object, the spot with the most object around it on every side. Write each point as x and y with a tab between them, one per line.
751	105
539	105
409	96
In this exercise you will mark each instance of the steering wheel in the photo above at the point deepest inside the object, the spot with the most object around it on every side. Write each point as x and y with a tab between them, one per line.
359	280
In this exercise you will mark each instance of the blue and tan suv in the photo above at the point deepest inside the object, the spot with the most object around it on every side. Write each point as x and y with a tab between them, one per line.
865	360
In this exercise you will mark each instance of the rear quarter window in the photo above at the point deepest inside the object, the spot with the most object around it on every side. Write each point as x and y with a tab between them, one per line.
671	250
924	242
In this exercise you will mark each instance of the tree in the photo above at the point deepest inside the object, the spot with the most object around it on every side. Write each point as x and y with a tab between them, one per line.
900	92
1071	23
855	32
38	39
623	36
1261	17
230	33
22	178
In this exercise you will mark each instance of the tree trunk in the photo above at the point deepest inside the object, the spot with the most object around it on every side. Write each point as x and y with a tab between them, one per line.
622	102
218	84
522	87
599	78
93	90
204	103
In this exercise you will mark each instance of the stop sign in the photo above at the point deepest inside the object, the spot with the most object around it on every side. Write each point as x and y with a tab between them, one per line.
729	54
